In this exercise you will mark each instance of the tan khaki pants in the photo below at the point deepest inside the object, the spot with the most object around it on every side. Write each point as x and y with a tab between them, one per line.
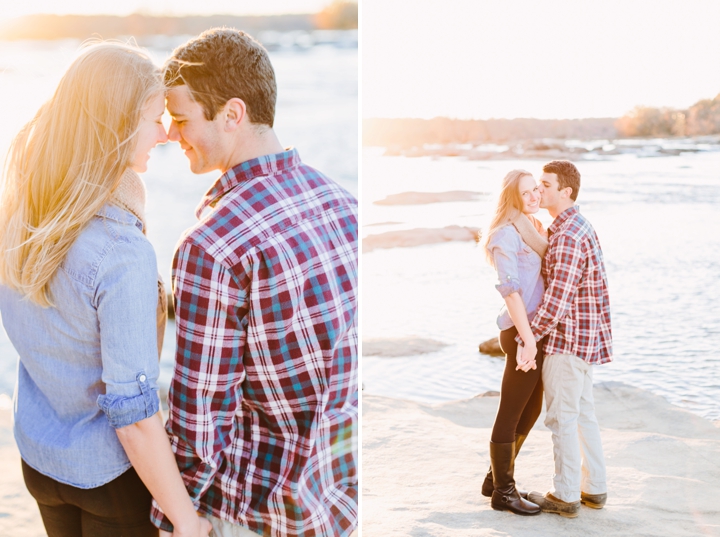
222	528
577	448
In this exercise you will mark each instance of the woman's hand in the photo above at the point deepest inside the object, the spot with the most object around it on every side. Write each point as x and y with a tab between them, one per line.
148	448
202	528
526	357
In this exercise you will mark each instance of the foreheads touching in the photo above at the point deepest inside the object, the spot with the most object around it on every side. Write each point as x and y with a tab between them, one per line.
223	64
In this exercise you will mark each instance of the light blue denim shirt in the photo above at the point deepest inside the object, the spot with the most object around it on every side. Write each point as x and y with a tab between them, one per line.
90	364
518	267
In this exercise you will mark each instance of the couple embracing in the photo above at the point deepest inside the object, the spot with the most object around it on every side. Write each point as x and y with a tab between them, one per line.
261	434
555	326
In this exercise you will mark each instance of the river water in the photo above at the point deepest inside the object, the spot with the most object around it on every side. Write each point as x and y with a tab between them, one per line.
317	112
658	220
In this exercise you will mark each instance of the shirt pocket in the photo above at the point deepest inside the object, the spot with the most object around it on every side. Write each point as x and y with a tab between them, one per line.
528	259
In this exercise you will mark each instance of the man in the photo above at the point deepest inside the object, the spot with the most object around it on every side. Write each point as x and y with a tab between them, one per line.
575	318
263	401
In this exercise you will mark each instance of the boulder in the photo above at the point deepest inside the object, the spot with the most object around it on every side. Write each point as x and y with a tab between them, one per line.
491	347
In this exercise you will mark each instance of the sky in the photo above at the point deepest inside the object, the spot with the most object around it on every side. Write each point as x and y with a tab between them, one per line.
485	59
12	9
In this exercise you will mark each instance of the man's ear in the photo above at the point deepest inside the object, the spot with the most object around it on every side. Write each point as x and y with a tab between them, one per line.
234	113
566	192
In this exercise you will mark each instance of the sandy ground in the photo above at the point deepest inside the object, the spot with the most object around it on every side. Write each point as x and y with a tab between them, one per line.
422	468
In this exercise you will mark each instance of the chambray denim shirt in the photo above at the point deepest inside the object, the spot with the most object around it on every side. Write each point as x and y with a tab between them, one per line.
90	364
518	267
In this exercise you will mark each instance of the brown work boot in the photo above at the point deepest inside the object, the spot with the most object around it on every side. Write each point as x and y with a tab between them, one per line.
596	501
550	504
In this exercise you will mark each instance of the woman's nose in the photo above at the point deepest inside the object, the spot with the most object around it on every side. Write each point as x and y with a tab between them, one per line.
163	136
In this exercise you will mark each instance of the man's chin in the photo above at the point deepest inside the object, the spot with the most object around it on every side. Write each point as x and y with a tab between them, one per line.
197	168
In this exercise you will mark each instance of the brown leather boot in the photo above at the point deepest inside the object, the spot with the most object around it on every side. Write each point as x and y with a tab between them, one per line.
487	486
505	497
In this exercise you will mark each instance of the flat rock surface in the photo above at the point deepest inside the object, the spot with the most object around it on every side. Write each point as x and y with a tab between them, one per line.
408	238
423	466
394	347
421	198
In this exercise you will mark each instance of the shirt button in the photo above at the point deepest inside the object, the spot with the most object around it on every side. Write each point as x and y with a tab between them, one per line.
143	378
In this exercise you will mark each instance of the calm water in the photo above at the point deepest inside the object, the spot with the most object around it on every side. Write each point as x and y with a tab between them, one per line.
658	220
317	113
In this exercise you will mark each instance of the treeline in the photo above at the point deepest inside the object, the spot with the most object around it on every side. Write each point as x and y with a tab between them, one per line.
109	26
702	118
339	15
416	132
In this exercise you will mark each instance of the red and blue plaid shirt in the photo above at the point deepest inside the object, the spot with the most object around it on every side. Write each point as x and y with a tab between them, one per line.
263	403
575	311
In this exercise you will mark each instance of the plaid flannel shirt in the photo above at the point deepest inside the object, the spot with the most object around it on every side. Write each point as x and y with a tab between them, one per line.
575	312
263	403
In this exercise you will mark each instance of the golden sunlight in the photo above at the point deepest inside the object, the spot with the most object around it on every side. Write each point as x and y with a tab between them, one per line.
161	7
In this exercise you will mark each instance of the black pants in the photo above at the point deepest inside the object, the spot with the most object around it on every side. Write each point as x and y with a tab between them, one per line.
120	508
520	394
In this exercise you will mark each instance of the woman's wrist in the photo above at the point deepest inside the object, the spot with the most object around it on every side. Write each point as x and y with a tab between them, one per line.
187	524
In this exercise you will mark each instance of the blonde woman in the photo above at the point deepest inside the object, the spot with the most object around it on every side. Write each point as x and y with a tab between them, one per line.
80	303
515	243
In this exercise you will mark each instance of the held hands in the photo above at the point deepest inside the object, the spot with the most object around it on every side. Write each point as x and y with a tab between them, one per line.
201	529
526	357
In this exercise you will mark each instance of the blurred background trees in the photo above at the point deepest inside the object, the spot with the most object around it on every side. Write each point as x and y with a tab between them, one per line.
339	15
700	119
704	117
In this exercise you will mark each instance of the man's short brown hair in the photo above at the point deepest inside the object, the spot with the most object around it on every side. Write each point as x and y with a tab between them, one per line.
567	174
221	64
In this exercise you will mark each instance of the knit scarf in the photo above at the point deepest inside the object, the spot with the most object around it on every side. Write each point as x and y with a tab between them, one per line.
532	232
130	195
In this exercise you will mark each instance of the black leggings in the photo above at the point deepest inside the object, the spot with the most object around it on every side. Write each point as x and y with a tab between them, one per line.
119	508
520	394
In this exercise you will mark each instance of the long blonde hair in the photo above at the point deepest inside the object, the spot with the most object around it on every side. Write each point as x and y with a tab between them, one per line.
509	206
66	162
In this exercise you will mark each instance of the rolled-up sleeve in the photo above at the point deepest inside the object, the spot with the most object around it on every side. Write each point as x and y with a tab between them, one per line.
126	301
504	246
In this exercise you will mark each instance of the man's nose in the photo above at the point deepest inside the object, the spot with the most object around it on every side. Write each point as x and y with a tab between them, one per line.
173	133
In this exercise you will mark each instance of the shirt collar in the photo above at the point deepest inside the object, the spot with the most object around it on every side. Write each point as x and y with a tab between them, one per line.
246	171
113	212
561	218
